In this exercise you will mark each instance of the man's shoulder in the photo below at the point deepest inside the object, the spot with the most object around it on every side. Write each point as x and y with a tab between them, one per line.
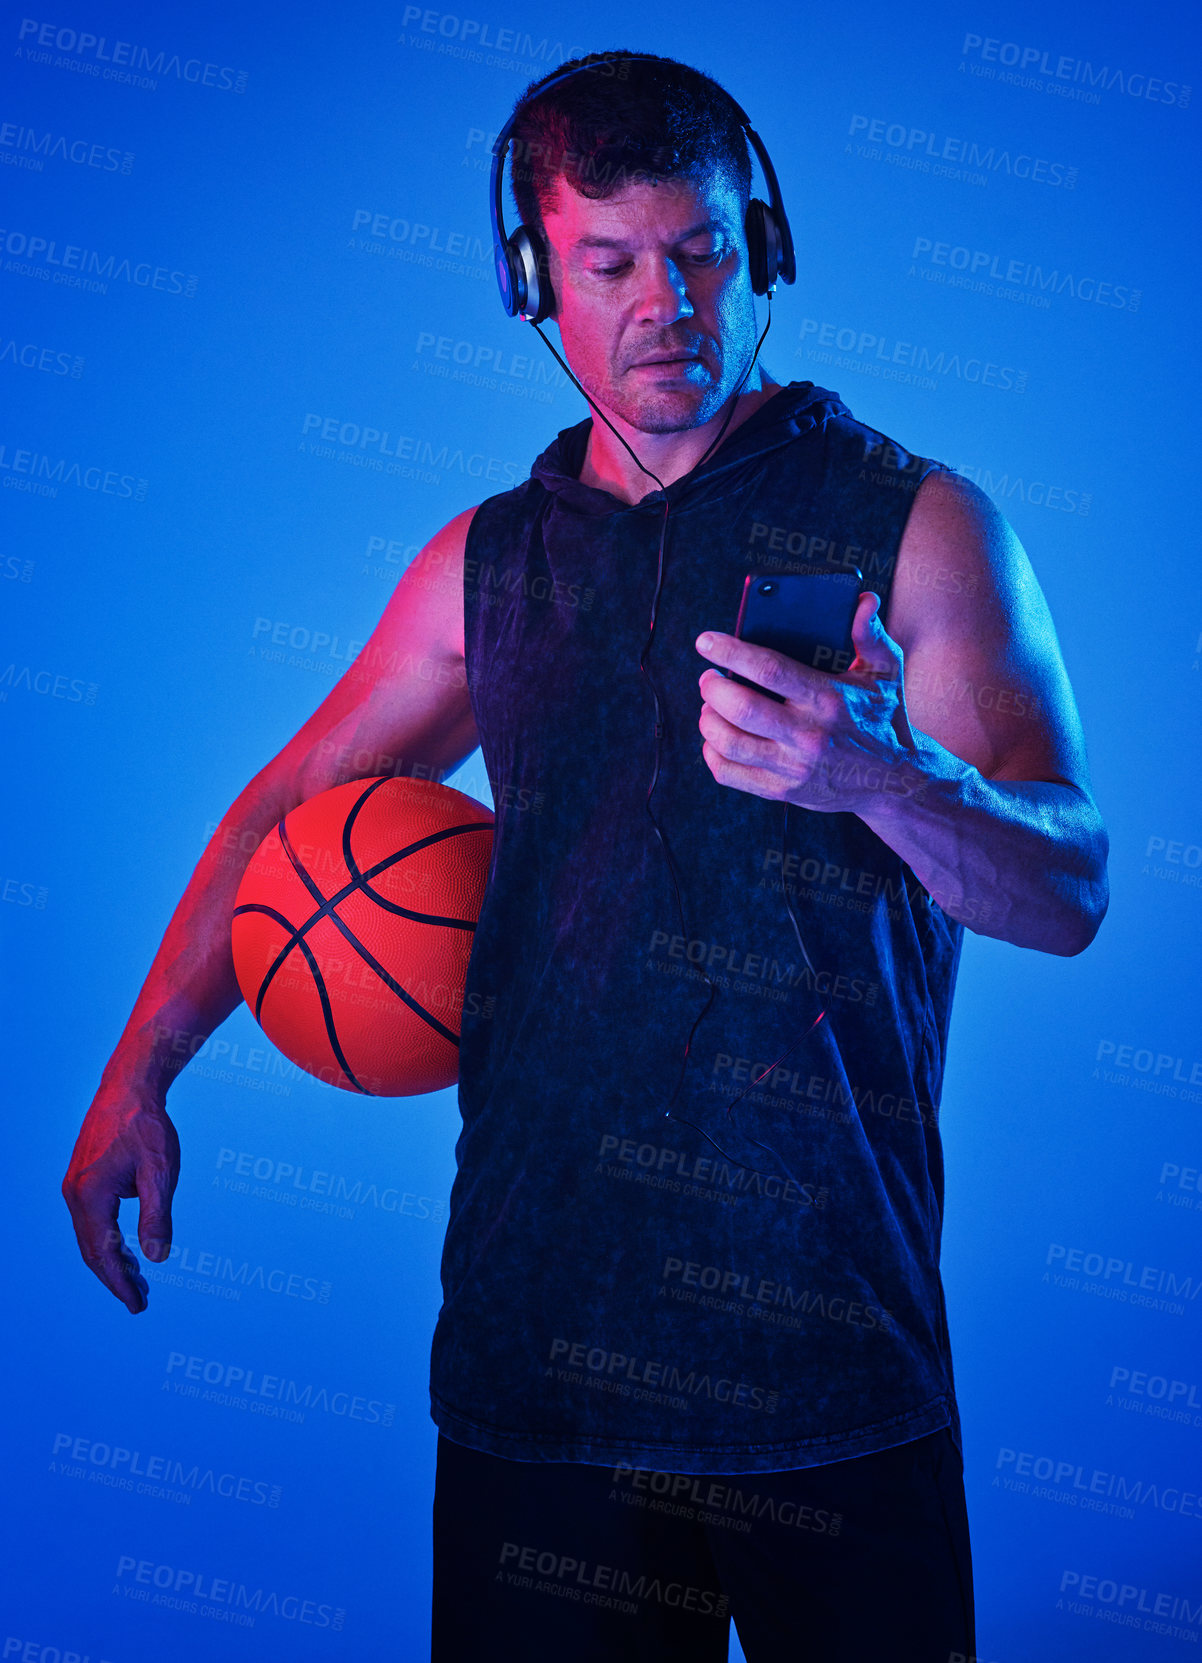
961	570
951	509
504	508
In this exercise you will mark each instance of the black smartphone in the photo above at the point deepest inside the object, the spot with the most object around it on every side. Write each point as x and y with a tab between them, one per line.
805	615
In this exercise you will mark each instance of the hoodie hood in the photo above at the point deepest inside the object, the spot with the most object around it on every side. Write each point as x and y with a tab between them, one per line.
792	409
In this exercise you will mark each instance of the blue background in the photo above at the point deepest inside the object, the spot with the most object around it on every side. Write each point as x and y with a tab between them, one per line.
138	695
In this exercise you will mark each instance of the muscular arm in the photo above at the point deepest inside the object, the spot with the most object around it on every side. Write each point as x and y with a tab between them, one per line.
970	764
1000	826
402	707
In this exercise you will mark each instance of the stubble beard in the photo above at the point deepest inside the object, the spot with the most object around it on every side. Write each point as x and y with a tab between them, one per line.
679	411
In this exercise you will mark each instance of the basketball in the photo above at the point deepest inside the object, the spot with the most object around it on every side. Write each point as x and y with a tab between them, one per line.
352	930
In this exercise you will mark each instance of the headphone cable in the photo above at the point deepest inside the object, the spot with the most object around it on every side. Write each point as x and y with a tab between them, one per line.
659	731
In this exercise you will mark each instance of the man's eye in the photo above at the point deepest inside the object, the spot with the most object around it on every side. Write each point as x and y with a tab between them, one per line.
710	258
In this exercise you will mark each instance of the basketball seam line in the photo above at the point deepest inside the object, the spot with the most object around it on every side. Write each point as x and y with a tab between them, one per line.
367	957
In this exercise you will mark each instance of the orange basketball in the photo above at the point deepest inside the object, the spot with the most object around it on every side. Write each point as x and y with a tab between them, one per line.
353	927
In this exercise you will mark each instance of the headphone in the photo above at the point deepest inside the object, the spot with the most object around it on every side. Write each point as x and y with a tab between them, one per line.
523	275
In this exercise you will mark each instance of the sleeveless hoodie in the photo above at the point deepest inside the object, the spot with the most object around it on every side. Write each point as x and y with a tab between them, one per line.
729	1289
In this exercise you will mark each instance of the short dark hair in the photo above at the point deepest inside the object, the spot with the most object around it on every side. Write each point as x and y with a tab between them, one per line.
635	117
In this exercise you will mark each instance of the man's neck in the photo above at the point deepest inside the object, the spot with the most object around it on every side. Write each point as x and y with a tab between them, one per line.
608	465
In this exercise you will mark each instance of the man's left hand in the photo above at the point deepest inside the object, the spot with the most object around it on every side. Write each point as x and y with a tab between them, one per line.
836	744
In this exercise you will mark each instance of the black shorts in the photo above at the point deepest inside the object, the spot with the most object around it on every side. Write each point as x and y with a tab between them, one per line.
849	1562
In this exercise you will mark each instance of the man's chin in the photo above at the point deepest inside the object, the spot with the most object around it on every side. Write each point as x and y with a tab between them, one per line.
670	409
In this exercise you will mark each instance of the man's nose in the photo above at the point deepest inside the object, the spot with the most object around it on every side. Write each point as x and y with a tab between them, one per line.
663	296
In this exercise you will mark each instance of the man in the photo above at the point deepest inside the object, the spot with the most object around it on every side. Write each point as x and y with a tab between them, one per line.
692	1359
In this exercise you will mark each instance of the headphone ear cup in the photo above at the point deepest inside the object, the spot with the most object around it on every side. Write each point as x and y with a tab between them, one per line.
532	290
510	279
763	245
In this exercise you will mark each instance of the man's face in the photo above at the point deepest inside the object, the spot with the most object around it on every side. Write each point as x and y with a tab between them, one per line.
653	297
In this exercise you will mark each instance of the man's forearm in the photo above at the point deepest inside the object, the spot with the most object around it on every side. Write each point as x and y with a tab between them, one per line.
1022	860
191	987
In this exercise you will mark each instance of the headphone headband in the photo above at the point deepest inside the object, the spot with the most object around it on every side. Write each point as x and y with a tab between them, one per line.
517	258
